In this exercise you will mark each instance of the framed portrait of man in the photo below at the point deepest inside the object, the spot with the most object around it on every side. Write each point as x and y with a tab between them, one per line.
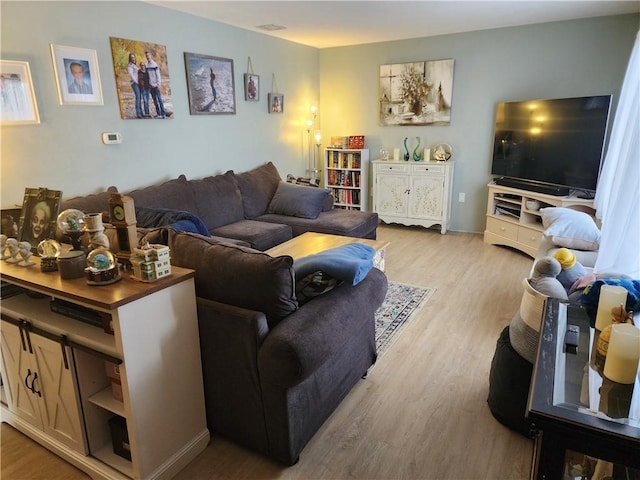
38	216
77	75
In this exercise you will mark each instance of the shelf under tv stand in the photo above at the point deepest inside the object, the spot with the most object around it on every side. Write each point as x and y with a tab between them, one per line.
513	217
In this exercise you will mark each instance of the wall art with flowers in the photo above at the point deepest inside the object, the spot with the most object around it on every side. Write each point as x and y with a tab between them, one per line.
416	93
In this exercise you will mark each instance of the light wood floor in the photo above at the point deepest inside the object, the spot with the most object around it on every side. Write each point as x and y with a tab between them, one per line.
421	413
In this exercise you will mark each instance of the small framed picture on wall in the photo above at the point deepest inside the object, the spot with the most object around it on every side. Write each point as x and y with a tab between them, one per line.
276	103
18	98
251	87
77	75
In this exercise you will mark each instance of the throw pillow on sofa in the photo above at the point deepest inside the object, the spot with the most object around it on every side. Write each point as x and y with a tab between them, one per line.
257	187
210	192
298	201
570	228
237	275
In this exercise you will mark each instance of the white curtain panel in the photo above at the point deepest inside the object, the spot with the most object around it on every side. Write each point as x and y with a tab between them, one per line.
617	199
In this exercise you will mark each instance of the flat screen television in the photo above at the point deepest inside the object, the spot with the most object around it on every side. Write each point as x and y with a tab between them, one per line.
551	146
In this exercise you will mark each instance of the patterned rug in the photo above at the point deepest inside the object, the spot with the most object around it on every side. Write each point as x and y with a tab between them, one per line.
401	302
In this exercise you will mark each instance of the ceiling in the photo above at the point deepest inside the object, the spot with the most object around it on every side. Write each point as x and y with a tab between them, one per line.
324	24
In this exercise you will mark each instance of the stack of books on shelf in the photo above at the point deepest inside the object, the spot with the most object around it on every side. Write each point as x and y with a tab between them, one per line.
343	179
344	160
346	197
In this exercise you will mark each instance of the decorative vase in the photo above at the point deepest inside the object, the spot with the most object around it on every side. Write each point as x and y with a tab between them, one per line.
416	155
406	155
416	107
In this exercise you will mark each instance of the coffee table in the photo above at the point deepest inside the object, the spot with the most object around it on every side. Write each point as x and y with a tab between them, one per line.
311	242
573	408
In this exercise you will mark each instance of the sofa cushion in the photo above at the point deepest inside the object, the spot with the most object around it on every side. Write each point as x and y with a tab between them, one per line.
236	275
350	223
218	199
257	187
95	203
259	235
175	194
570	228
298	200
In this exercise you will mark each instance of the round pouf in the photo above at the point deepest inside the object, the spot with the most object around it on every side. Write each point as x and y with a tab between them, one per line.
509	381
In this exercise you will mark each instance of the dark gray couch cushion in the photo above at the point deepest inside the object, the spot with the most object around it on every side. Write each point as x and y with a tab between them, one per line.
95	203
236	275
259	235
175	194
298	200
351	223
218	199
257	187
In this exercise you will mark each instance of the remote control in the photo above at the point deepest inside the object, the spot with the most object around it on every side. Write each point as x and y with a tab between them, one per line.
572	339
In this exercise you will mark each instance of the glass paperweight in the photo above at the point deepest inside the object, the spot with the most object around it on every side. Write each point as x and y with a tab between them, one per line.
102	268
71	225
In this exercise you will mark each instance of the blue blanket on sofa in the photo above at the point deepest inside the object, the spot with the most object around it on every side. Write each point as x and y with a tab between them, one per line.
349	263
163	217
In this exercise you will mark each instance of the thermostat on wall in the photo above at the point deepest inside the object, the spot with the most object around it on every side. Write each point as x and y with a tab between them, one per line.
109	138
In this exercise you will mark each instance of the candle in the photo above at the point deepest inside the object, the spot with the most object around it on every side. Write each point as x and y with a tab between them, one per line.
610	296
396	154
623	354
427	155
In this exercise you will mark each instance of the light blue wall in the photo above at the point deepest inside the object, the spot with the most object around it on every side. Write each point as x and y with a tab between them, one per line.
65	151
565	59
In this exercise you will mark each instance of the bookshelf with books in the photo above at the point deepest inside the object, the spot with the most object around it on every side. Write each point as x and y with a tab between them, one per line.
346	177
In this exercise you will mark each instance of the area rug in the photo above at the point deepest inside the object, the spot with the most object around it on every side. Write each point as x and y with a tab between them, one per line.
399	306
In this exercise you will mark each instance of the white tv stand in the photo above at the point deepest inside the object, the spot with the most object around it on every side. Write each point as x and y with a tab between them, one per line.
514	220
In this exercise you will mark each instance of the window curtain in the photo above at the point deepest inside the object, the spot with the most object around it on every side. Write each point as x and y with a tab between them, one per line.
617	199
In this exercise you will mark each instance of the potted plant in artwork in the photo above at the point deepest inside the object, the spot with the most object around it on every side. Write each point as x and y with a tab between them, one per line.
414	89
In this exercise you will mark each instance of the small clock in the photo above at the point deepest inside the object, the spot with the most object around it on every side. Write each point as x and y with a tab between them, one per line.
118	213
121	210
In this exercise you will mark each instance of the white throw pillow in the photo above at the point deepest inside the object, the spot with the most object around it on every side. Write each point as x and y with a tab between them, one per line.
570	228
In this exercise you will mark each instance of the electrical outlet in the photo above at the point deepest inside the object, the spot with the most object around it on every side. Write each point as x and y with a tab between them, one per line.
461	196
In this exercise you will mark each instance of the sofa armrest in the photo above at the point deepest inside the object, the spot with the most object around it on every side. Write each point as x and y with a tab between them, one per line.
229	341
305	339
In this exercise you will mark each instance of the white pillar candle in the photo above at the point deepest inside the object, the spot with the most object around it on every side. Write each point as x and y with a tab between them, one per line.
427	155
610	296
396	154
623	354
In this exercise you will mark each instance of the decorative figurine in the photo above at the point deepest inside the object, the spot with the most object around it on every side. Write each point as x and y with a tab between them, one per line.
416	155
102	268
14	249
3	246
49	250
93	225
25	252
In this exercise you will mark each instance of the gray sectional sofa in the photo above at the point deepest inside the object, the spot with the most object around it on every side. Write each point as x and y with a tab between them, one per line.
275	366
254	208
